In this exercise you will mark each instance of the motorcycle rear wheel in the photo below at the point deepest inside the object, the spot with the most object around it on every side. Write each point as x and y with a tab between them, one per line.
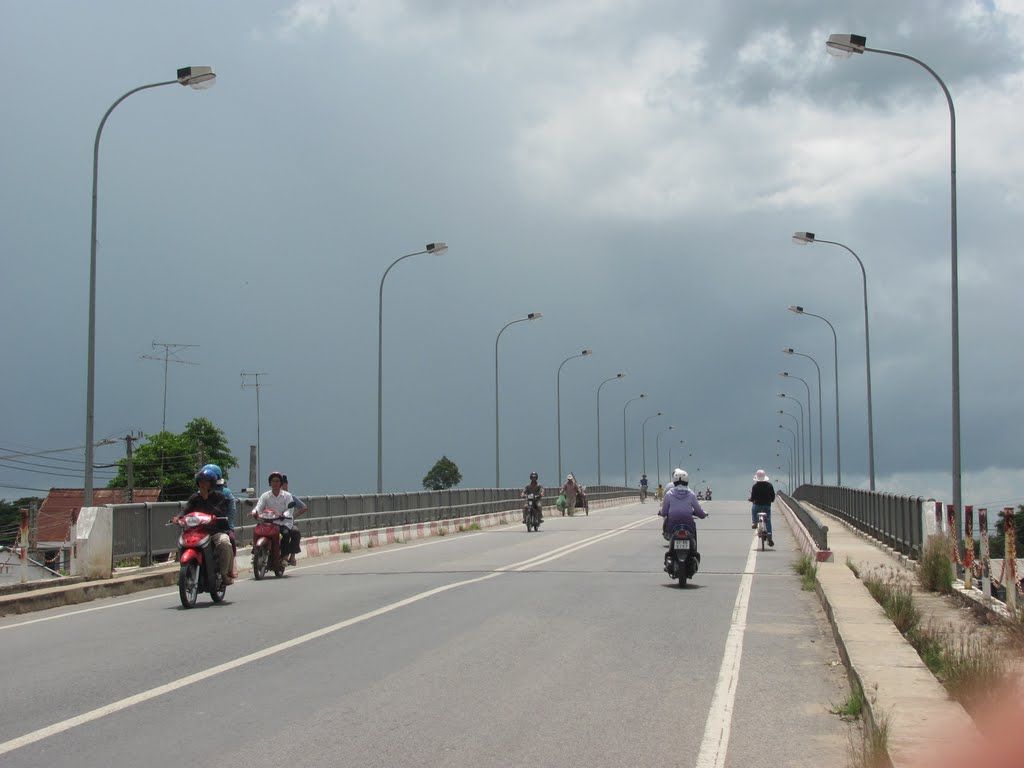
260	558
188	584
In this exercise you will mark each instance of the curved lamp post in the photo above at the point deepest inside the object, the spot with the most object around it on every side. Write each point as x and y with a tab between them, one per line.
803	450
844	46
796	424
670	449
821	423
798	478
810	423
657	450
805	238
835	351
792	483
497	445
625	467
197	78
435	248
643	438
616	377
558	404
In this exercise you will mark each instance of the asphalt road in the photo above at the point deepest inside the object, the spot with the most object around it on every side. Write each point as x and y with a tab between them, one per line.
493	648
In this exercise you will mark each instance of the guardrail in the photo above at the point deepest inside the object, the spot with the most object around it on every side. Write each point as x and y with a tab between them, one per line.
141	530
818	532
896	521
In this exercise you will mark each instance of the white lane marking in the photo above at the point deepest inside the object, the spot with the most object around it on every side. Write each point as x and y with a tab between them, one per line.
578	546
86	610
144	696
295	568
716	730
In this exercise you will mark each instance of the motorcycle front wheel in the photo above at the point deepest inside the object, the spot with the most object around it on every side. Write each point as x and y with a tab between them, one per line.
188	584
218	592
260	558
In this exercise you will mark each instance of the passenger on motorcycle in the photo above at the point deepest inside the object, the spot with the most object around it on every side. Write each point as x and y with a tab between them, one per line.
762	494
208	499
277	500
232	508
680	505
290	539
537	490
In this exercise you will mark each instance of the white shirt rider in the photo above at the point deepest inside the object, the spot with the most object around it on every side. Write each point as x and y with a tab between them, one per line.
276	502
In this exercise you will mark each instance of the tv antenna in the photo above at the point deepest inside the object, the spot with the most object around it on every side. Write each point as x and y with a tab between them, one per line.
169	356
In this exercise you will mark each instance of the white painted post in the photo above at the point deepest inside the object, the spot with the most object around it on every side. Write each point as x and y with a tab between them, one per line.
23	536
986	581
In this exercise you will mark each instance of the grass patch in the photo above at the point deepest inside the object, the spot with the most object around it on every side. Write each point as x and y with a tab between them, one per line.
896	598
474	527
875	752
346	547
442	531
853	707
807	570
852	566
935	570
128	562
969	669
370	544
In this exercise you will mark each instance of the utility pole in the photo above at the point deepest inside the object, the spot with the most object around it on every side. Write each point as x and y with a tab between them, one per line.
169	356
256	386
200	455
129	442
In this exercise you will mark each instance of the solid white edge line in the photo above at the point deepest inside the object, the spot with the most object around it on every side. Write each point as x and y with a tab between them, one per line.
715	744
144	696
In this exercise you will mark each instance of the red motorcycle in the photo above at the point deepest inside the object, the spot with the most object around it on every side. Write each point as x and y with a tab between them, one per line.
198	572
266	543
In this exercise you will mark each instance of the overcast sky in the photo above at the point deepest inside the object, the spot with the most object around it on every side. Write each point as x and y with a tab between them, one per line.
634	170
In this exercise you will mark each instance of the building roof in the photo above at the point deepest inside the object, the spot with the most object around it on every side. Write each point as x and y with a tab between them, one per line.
61	505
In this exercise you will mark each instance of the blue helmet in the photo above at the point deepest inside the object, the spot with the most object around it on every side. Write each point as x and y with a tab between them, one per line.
207	474
215	469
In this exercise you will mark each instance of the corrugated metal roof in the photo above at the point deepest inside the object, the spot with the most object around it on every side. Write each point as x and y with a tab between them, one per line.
53	523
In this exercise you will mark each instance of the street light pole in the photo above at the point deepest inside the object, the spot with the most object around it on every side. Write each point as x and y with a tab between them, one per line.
259	444
643	438
196	77
803	450
558	404
792	483
657	450
795	424
810	420
625	467
845	45
436	248
797	478
808	237
670	462
613	378
835	351
821	423
497	444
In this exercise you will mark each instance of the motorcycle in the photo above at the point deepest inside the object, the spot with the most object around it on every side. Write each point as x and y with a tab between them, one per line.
266	543
682	559
707	495
533	519
198	570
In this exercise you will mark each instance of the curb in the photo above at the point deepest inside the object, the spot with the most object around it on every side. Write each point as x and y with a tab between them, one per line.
166	574
804	538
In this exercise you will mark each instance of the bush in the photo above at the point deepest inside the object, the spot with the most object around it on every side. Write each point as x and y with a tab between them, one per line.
935	571
896	598
807	569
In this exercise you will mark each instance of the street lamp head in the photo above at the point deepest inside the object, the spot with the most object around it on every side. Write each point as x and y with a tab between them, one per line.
198	78
436	248
782	394
643	395
787	351
586	352
844	46
803	238
671	427
794	308
658	413
784	374
534	316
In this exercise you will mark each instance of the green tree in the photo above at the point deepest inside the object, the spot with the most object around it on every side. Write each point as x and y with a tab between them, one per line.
10	517
997	544
444	474
169	461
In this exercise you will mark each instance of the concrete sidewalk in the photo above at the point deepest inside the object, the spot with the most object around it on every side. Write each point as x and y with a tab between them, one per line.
899	689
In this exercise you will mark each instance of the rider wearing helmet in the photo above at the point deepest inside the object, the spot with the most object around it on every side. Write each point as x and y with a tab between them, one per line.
680	505
762	494
277	500
232	507
208	499
643	487
538	490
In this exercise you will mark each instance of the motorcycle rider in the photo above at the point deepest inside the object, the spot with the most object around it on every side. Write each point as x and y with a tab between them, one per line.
291	546
232	509
538	491
643	487
762	494
277	500
680	505
659	493
208	499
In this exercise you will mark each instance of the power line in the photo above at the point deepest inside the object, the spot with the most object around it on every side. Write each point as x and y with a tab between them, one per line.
40	472
49	466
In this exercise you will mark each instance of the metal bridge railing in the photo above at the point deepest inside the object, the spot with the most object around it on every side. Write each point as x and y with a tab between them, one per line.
894	520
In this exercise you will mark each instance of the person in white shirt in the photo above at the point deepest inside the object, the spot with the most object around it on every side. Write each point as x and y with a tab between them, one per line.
280	501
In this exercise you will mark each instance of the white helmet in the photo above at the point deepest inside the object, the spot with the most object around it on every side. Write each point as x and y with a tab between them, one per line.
679	475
